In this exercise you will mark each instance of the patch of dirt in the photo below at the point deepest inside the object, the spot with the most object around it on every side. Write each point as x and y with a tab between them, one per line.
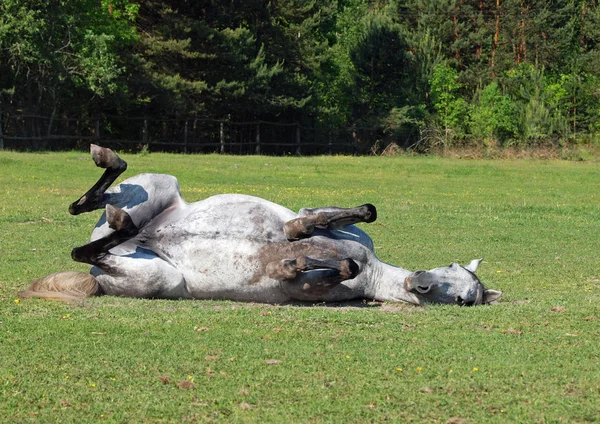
512	331
186	384
520	302
351	304
400	308
558	309
457	420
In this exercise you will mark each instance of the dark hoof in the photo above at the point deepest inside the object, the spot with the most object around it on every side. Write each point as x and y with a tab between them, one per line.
119	220
371	213
73	209
77	254
106	158
85	204
349	269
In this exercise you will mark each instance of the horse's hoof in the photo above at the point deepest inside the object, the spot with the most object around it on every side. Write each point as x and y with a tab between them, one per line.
119	220
105	158
371	215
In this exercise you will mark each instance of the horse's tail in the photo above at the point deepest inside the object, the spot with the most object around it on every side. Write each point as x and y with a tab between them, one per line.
65	286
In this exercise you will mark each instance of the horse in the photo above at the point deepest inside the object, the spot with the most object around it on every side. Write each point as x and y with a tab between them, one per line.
150	243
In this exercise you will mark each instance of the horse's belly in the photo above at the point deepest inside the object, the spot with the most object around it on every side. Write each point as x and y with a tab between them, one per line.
227	269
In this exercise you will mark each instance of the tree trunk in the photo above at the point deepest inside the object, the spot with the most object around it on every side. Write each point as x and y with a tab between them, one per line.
496	37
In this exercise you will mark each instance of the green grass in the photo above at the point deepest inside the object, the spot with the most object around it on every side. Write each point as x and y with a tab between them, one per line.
534	357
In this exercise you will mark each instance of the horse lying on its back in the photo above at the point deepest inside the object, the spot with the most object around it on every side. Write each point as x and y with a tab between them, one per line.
150	243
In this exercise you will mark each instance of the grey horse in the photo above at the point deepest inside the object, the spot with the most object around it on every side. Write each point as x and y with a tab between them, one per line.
150	243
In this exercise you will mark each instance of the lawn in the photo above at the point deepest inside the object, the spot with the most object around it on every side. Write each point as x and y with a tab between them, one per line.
533	357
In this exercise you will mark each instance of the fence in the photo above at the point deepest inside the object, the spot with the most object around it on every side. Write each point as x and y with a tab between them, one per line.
190	135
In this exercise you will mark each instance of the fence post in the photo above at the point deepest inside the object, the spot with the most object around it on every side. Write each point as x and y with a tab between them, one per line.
1	133
50	121
185	136
258	138
145	133
222	137
97	130
298	148
194	128
329	141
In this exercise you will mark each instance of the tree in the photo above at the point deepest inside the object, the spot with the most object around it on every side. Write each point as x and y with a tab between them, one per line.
451	108
244	61
53	52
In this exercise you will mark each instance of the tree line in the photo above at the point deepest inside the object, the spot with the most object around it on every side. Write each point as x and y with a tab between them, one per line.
451	72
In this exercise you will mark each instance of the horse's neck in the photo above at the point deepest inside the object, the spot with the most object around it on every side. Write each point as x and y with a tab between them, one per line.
388	283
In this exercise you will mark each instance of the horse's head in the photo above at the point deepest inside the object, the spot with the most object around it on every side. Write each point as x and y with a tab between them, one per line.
452	284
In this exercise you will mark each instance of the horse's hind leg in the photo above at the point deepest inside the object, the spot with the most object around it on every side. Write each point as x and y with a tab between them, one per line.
331	218
140	273
306	278
114	165
93	252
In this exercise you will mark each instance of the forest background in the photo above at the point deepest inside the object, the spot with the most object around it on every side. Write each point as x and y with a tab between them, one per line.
415	73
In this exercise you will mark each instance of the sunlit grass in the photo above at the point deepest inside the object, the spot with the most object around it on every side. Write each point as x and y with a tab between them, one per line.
532	358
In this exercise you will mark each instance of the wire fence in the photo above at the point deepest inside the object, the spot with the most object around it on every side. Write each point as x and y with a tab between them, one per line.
192	135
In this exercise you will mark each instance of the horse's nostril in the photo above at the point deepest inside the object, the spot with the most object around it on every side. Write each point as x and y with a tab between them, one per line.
462	302
423	289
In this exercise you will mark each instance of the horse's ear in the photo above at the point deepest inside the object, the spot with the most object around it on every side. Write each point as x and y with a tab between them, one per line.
491	296
473	265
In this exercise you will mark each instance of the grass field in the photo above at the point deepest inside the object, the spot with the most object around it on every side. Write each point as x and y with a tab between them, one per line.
534	357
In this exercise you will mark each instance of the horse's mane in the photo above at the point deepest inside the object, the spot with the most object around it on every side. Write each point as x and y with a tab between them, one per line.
65	286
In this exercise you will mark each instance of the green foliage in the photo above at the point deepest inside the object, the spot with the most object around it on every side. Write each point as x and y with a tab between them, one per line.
493	115
399	118
100	69
329	63
384	68
226	61
427	51
335	85
52	52
451	108
539	103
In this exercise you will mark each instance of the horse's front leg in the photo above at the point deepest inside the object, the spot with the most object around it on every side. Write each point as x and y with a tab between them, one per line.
330	218
93	198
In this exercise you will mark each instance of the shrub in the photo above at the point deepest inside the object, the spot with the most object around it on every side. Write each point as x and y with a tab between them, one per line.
493	115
